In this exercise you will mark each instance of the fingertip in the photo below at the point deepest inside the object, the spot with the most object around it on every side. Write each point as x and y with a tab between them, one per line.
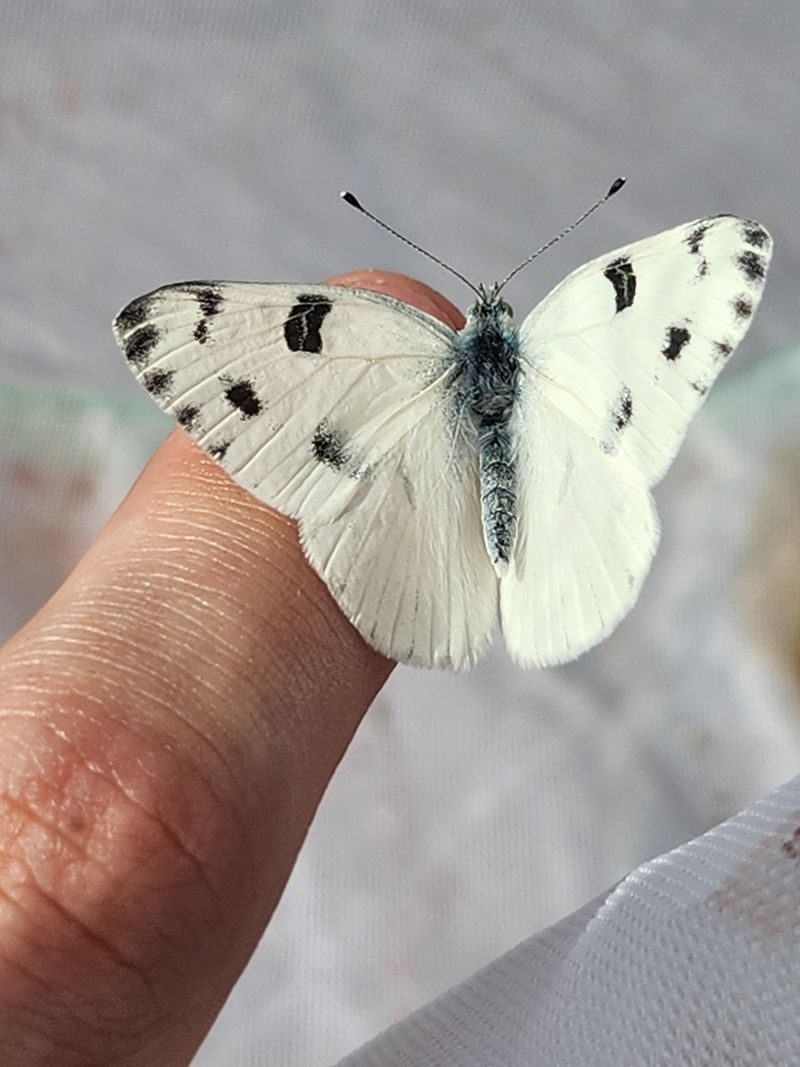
402	287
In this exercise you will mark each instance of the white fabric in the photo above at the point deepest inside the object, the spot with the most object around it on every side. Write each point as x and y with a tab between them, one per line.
692	961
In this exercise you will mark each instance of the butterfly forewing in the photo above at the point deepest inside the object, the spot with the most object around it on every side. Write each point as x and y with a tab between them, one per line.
616	360
629	344
271	378
333	405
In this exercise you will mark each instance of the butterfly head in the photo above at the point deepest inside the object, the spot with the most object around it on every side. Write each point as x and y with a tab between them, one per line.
489	305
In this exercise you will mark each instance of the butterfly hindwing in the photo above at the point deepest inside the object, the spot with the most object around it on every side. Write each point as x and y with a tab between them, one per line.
584	545
408	564
331	404
615	362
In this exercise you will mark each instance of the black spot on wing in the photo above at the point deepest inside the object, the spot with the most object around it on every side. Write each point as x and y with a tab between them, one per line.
242	396
699	388
210	299
723	348
217	451
623	409
301	330
134	314
695	238
329	445
755	235
158	382
677	338
752	265
742	307
620	274
188	416
140	343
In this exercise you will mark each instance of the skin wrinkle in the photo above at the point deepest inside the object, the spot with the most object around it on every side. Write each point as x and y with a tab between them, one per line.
136	667
236	567
202	738
179	844
9	960
315	602
33	816
199	770
197	686
172	835
74	1039
76	1045
10	804
116	955
17	966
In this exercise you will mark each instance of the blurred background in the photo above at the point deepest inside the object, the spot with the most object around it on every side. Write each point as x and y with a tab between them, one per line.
142	143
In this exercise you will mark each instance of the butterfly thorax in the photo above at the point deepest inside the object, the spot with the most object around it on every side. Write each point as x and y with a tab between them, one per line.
488	355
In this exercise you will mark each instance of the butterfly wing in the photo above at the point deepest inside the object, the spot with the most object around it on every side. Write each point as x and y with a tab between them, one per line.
407	561
615	362
332	405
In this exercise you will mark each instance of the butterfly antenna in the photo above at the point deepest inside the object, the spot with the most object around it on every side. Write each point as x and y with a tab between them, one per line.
615	188
353	202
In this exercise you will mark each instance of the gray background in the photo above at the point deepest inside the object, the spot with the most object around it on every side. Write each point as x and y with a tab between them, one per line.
142	143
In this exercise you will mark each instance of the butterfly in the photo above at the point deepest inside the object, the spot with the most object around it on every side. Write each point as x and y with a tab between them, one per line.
442	478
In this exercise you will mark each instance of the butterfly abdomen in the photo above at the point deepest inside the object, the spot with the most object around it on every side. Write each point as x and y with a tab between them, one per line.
489	356
498	494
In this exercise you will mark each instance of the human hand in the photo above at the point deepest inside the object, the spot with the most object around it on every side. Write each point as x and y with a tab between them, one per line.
170	720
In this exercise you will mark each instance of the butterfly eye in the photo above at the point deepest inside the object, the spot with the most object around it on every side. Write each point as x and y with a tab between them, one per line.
508	309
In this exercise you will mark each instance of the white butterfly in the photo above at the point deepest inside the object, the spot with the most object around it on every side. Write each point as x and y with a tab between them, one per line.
443	477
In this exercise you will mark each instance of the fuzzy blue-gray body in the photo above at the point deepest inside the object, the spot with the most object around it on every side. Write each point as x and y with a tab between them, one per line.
488	360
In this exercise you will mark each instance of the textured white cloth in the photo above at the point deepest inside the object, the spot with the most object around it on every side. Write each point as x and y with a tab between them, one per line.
693	960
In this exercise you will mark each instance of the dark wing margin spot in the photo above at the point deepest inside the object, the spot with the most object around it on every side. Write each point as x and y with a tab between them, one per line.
752	265
623	409
140	344
201	331
134	314
210	299
620	274
158	382
755	235
242	396
218	450
695	238
329	446
723	348
699	388
301	330
677	338
742	307
188	416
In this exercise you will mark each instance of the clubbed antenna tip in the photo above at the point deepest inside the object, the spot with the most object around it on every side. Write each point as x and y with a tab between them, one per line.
615	188
348	198
353	201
